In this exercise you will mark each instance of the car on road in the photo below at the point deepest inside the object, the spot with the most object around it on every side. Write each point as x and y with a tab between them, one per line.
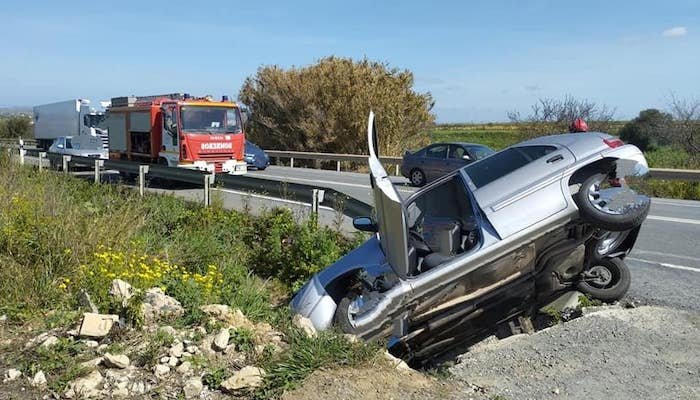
83	146
485	245
435	160
255	157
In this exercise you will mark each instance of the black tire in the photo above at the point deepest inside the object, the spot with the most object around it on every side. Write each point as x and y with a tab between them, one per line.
630	219
341	317
417	177
608	288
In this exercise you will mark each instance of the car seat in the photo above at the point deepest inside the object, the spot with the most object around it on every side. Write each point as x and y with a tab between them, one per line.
443	236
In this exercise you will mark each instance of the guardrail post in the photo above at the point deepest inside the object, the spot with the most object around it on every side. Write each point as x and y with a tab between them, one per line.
291	162
66	160
316	200
42	156
338	166
143	170
22	152
397	169
98	164
208	180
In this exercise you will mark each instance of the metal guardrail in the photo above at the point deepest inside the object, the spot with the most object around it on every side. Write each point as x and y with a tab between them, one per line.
338	158
315	196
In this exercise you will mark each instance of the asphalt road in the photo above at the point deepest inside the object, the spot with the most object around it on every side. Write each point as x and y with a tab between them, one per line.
665	262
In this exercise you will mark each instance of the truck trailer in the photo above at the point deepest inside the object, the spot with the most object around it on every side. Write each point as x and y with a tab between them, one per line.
74	118
178	130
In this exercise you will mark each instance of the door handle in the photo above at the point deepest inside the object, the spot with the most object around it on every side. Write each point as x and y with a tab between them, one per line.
554	159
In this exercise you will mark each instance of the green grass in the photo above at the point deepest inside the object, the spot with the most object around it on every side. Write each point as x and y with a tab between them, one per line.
497	138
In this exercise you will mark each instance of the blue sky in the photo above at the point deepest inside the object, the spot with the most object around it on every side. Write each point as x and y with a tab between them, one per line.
478	59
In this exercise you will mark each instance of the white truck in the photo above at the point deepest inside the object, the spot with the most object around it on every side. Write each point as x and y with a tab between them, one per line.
73	118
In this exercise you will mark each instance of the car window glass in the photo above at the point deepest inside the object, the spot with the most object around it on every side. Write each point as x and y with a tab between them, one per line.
498	165
535	152
457	152
436	151
69	145
479	152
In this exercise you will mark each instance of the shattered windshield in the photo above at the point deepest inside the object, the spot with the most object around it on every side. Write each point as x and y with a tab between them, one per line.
210	119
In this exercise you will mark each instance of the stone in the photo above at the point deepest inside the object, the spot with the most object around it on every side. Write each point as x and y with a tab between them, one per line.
39	379
168	330
91	344
351	338
36	340
92	364
86	387
158	305
164	360
173	361
97	325
396	362
184	368
139	387
102	348
121	291
192	349
12	374
86	303
243	380
176	350
304	324
193	387
221	340
161	370
234	318
120	361
50	341
120	393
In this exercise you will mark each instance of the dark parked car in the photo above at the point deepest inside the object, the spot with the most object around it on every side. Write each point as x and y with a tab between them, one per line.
438	159
255	156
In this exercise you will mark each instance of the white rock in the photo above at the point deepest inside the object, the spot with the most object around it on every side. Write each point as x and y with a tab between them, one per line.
186	354
157	305
168	330
139	387
192	349
120	361
172	363
102	348
351	338
87	386
39	379
91	364
304	324
121	291
396	362
247	378
184	368
221	340
164	360
91	344
193	387
97	325
50	341
12	374
120	393
233	317
176	350
85	301
37	339
161	370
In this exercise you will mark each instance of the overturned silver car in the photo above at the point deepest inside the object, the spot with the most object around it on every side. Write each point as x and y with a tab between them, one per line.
484	244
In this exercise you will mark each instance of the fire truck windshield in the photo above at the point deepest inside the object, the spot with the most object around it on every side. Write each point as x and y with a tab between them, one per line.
203	119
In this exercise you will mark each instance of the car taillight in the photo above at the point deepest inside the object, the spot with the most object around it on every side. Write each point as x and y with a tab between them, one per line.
613	143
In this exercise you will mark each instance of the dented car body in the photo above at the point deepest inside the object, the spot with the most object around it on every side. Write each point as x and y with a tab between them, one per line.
484	244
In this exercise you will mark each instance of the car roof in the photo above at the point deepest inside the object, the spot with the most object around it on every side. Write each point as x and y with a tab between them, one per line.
566	139
459	143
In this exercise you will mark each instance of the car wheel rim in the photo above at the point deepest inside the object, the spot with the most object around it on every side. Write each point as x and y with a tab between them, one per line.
355	307
610	241
603	276
613	200
417	177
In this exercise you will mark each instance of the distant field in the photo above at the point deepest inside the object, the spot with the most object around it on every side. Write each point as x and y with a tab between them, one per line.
496	136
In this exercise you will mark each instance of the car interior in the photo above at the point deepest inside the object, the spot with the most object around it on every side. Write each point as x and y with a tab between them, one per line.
442	224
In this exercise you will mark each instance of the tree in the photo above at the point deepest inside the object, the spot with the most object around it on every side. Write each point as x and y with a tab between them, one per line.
324	107
551	115
15	126
650	129
686	126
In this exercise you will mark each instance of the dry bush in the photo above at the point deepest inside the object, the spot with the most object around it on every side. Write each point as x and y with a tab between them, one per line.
324	107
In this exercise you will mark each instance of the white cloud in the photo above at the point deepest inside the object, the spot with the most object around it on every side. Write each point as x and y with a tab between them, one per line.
676	31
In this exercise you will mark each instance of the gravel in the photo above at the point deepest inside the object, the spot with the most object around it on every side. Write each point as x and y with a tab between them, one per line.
648	352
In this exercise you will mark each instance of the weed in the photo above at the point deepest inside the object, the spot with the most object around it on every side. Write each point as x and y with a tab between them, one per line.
213	379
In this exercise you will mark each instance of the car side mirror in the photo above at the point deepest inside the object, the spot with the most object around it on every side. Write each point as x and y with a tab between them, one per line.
466	157
60	146
365	224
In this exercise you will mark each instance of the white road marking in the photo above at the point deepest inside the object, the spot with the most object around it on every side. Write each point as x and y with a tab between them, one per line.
658	253
673	203
672	219
667	265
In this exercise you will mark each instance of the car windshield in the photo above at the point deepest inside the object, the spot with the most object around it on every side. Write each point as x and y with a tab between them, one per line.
94	120
480	152
202	119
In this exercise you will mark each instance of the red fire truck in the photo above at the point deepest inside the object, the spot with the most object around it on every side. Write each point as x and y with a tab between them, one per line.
178	130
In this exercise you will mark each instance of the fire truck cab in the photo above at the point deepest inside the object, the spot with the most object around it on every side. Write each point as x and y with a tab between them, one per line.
178	131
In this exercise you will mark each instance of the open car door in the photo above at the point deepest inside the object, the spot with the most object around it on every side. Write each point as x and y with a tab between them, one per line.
391	214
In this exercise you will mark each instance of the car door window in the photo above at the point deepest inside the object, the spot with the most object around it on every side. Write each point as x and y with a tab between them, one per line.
437	151
479	152
457	152
536	152
69	144
496	166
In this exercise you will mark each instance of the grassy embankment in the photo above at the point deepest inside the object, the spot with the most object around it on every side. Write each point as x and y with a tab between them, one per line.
59	235
499	136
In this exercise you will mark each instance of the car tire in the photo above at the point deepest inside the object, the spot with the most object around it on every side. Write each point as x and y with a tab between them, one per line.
596	214
417	177
342	315
615	279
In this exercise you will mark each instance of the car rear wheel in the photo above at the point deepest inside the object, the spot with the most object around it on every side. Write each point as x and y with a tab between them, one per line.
417	177
614	208
607	279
